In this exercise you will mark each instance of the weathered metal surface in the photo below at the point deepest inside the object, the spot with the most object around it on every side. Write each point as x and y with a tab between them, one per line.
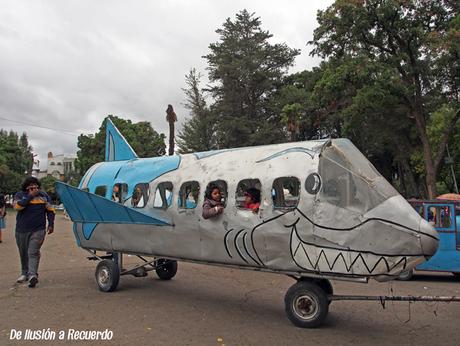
349	222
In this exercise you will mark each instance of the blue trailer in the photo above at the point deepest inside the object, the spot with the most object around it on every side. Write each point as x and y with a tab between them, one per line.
444	215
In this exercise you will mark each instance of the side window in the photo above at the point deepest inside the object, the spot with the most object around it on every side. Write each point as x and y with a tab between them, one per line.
85	189
101	191
419	209
440	216
163	195
285	192
188	195
119	192
140	195
222	185
247	193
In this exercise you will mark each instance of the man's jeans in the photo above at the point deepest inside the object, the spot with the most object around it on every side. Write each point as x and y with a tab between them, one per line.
29	245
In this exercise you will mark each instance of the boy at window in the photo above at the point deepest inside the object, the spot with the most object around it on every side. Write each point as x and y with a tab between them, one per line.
212	205
137	199
252	199
116	194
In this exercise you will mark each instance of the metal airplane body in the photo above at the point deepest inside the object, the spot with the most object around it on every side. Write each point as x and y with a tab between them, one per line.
325	211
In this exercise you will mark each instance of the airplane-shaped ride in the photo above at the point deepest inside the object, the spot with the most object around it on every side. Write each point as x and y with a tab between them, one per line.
325	213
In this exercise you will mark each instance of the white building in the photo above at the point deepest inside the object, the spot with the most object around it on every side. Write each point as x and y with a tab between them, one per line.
57	166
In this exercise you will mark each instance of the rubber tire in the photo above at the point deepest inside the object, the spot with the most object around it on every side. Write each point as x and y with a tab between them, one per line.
456	274
111	269
167	269
406	275
316	293
325	284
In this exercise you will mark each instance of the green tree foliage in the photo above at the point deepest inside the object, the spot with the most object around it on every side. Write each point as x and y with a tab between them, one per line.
145	141
360	99
16	160
47	184
416	44
245	70
299	112
436	126
198	132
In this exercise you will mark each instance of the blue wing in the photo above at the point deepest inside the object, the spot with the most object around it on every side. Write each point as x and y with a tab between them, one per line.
87	207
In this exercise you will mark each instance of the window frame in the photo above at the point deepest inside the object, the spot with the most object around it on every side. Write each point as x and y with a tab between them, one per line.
284	206
123	189
254	183
105	190
145	194
438	224
219	182
179	197
163	206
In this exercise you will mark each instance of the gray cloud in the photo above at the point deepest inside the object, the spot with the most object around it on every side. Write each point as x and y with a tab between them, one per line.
67	64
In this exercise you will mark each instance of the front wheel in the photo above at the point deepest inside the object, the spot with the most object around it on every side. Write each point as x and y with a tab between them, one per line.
166	269
306	304
107	275
406	275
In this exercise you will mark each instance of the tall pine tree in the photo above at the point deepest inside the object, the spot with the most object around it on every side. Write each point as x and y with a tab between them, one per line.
245	70
198	132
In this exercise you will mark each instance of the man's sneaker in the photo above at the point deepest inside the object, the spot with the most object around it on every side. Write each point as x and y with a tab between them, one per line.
21	279
33	281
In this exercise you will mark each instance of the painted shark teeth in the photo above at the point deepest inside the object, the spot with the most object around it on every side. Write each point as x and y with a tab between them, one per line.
336	261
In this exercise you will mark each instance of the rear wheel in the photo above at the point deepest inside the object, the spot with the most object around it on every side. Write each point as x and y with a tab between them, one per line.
166	269
107	275
306	304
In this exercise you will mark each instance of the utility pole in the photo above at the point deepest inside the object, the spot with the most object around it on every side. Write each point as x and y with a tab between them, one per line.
171	118
450	162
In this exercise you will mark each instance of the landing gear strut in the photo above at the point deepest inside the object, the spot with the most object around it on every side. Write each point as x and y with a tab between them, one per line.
110	268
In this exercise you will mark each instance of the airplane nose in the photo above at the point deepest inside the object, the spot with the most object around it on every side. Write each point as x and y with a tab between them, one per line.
429	239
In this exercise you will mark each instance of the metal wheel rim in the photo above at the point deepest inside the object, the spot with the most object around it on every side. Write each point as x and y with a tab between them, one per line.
306	306
103	277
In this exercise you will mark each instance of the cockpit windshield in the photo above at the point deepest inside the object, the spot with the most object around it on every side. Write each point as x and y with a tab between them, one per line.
350	181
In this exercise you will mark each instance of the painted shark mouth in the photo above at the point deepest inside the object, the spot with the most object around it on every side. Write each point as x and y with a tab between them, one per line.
328	260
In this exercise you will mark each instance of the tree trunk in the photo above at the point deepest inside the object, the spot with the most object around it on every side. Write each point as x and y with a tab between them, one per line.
432	164
402	180
430	178
413	187
171	138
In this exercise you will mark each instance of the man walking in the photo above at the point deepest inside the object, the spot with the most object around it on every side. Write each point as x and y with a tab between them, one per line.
33	208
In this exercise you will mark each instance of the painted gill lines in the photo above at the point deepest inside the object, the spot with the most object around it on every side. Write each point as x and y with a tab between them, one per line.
240	245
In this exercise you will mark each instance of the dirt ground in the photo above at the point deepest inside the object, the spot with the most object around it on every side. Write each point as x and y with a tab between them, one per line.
205	305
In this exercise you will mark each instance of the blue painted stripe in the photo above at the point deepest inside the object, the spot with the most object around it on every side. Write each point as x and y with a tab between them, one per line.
88	229
306	151
131	172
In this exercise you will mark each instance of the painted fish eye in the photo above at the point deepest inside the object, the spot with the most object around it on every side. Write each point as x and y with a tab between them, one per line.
313	183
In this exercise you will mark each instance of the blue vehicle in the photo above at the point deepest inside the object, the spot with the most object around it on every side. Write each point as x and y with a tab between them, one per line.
444	215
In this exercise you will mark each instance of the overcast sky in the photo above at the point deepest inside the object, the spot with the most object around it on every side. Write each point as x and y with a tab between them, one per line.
67	64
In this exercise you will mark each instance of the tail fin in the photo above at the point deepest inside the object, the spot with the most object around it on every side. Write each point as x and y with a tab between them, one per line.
116	146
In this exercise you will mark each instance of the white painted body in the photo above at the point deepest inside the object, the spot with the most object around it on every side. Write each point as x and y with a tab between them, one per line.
363	229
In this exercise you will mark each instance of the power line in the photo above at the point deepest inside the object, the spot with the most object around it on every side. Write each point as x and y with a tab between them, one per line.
40	126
